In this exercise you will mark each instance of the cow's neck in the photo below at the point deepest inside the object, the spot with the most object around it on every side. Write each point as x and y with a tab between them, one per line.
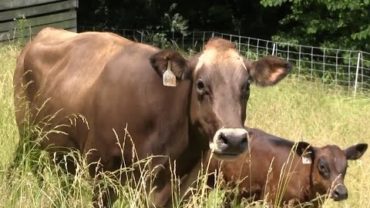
197	148
197	143
307	171
314	191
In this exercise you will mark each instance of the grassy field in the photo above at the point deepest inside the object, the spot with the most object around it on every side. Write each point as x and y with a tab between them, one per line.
294	109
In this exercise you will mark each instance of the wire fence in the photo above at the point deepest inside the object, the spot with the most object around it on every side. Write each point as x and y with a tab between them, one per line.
340	67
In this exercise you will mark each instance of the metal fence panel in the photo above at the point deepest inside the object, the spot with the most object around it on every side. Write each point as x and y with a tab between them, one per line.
342	67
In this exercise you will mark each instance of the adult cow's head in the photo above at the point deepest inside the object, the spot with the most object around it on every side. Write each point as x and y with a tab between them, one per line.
220	90
328	167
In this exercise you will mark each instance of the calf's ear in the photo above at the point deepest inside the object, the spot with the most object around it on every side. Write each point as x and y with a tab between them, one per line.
356	151
169	59
304	149
268	71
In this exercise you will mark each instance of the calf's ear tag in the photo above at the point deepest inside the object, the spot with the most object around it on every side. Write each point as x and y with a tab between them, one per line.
306	159
169	78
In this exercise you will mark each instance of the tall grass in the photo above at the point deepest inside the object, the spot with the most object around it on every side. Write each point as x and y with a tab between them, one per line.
294	109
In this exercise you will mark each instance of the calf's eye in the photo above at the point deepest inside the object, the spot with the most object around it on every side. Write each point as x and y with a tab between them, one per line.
323	168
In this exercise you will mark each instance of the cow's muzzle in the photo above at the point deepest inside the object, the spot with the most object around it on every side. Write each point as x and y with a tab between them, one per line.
339	193
229	142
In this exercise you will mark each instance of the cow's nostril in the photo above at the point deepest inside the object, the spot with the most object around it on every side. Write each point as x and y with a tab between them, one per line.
223	138
244	142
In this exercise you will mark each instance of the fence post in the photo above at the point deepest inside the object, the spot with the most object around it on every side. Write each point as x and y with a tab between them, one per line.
288	53
357	69
323	64
258	45
240	40
249	39
362	70
311	63
336	67
273	49
299	61
203	39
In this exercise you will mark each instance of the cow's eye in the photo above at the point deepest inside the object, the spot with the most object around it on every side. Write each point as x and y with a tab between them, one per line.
200	86
323	168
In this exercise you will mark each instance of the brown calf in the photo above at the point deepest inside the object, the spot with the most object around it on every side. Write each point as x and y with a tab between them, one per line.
272	171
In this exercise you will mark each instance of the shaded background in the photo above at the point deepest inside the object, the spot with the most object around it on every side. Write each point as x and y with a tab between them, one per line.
233	16
327	23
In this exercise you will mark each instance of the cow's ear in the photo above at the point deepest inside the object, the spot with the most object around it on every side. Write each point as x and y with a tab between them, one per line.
268	70
304	149
169	59
356	151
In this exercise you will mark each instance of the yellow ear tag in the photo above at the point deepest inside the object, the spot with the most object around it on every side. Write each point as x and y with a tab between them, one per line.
169	79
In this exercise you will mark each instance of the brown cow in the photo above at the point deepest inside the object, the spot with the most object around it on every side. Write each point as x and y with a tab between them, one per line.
94	86
272	171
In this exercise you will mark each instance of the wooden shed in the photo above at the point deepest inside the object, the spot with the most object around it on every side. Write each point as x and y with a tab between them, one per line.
24	18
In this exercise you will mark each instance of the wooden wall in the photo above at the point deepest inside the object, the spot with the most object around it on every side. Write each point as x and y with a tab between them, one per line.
24	18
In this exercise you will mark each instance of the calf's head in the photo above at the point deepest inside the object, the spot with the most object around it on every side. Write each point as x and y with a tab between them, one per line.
220	79
328	167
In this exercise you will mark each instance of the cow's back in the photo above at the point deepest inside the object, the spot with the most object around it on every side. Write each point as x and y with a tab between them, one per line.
55	55
57	69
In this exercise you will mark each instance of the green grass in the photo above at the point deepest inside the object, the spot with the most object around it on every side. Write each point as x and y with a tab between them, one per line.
295	109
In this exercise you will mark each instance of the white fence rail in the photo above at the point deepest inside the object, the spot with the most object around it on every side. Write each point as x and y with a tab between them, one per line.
347	68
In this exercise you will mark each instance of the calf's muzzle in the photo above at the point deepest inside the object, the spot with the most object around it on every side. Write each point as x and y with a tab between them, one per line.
339	193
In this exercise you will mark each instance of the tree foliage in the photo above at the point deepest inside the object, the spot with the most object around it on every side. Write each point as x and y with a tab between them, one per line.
328	23
232	16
